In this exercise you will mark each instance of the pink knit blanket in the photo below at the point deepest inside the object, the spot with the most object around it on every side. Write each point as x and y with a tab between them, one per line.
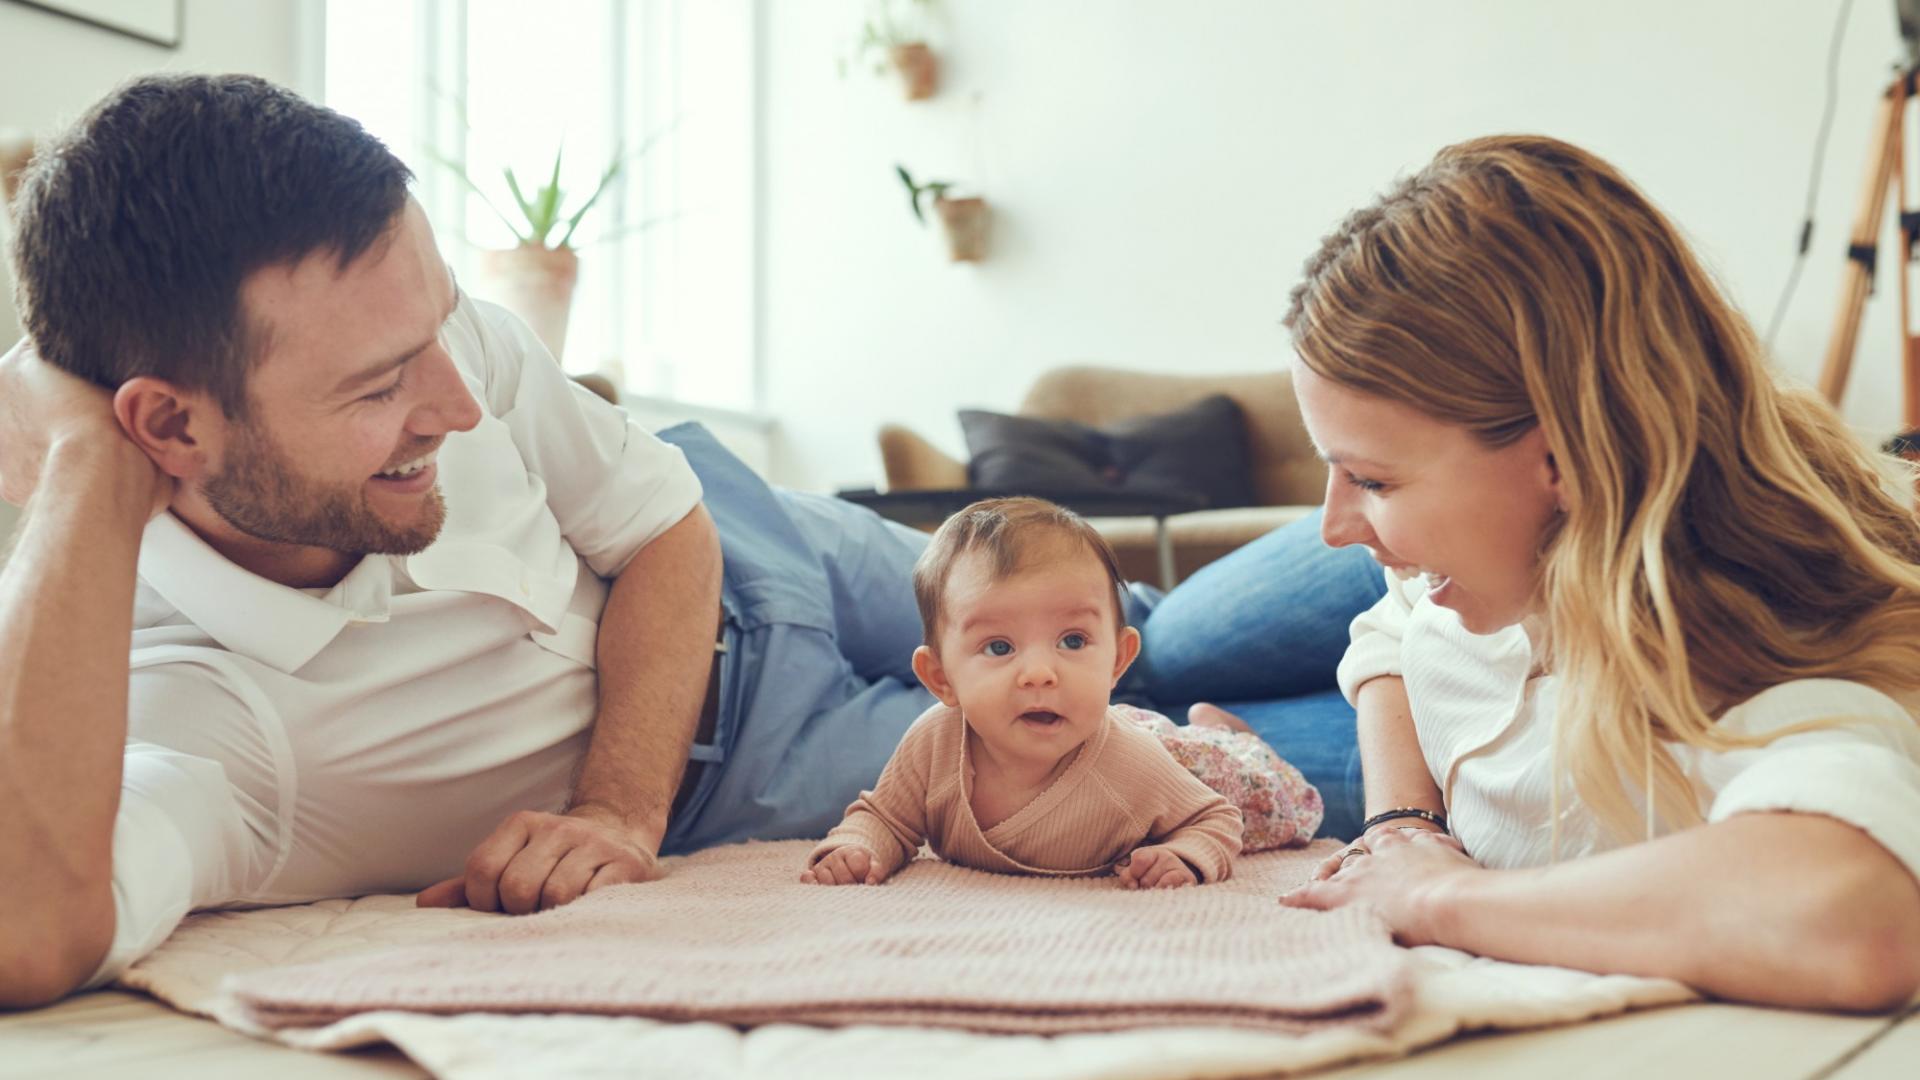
731	936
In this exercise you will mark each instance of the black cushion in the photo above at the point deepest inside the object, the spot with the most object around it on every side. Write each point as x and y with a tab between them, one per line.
1200	450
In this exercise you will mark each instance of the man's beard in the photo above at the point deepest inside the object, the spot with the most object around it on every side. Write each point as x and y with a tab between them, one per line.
260	493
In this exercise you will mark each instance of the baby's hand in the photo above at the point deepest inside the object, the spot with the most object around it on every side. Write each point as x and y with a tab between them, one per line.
850	865
1154	867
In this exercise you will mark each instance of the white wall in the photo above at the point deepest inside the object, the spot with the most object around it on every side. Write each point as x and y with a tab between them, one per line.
53	68
1160	171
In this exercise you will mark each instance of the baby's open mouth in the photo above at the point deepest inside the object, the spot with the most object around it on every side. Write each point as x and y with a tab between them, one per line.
1045	717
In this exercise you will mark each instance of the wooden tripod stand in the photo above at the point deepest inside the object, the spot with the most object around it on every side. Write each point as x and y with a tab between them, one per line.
1887	165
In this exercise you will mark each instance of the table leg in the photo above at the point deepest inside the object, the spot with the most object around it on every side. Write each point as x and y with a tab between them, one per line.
1163	544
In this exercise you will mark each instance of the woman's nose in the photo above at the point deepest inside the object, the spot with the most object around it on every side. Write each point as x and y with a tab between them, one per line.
1343	523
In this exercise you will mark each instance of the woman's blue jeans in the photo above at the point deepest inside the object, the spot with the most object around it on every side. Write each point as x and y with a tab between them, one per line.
1260	633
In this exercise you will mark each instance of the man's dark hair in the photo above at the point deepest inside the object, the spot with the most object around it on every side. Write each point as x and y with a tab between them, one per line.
136	229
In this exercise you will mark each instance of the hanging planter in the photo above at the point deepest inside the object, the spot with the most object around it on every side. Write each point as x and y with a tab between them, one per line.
919	69
964	220
893	34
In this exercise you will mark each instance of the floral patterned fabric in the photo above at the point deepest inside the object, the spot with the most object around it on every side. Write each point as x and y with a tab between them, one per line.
1277	805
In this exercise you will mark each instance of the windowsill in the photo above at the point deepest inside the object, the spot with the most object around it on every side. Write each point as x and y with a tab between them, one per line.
757	421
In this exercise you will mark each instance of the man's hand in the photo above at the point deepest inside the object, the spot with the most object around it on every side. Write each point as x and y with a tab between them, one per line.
1155	867
536	861
850	865
42	406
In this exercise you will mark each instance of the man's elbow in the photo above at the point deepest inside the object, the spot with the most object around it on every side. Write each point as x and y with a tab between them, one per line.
39	969
35	977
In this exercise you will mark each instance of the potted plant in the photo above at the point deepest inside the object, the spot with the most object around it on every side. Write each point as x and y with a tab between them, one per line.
16	149
535	278
964	219
904	50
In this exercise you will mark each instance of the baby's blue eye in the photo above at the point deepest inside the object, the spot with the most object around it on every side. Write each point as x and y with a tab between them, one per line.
1074	641
999	648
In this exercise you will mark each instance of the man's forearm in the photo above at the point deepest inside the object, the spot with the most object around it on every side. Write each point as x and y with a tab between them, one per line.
66	618
1781	909
655	653
1391	765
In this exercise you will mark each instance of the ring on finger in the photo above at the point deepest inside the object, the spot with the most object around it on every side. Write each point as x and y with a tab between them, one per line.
1350	853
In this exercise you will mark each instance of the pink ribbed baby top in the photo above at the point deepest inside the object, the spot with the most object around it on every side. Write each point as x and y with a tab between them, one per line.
1123	791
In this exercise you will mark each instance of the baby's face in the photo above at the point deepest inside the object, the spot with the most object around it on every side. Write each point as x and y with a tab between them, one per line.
1031	658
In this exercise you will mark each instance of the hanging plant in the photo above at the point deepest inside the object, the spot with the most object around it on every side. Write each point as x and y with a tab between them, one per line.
964	220
897	43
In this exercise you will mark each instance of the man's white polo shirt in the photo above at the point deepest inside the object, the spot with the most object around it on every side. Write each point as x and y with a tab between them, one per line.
284	746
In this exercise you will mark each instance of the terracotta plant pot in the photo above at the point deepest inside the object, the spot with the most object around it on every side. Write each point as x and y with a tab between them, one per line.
536	284
966	225
16	149
919	69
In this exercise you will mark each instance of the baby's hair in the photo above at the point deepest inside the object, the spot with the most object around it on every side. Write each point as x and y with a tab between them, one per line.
1004	530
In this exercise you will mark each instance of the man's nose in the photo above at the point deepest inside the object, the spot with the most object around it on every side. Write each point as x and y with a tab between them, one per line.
448	405
1343	523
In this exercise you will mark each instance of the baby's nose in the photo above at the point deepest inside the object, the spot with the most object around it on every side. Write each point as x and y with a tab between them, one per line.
1037	675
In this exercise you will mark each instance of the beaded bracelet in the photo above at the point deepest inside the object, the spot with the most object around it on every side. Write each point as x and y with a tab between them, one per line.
1404	812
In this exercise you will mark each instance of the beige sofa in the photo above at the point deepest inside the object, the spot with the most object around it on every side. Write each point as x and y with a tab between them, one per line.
1288	480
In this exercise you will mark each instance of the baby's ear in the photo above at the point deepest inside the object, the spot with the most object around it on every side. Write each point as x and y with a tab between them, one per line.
1123	656
926	665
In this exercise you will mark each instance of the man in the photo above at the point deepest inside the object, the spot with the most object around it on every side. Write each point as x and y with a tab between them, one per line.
406	609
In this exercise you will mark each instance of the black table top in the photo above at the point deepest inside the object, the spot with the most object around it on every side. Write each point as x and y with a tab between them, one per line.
934	506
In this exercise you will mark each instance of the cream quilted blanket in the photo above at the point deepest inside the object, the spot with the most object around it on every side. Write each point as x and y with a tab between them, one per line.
1443	992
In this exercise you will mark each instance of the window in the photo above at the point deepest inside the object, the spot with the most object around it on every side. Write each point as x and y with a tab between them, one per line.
664	304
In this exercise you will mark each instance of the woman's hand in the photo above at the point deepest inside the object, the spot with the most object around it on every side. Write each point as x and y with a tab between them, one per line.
1402	872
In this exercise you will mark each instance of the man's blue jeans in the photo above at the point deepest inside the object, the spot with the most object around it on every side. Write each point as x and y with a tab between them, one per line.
817	685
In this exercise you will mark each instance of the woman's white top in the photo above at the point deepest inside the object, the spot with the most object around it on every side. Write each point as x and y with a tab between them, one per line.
1484	718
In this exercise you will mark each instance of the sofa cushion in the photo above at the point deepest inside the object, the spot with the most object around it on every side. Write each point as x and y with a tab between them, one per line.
1200	449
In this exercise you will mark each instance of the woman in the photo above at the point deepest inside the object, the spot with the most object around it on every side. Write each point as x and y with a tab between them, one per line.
1652	641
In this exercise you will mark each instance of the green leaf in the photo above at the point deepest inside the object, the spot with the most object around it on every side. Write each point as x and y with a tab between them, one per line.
526	208
637	227
606	178
550	199
913	192
461	172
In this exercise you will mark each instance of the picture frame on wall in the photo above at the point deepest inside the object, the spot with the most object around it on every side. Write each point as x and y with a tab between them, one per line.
157	22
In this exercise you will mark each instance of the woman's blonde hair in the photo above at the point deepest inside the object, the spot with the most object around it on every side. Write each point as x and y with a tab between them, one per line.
1723	533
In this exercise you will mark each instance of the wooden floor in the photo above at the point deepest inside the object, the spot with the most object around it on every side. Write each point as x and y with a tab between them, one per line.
112	1034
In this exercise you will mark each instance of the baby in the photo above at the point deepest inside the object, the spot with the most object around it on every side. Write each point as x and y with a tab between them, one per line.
1024	767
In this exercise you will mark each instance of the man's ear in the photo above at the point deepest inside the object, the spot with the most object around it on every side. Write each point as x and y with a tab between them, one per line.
171	426
1129	649
926	664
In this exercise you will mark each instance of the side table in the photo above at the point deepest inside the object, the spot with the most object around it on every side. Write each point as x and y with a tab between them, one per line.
932	506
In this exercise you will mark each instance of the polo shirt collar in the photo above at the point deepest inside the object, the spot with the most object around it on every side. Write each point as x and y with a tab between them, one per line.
275	624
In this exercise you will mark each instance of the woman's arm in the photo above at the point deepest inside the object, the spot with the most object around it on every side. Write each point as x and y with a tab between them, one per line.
1780	909
1394	770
